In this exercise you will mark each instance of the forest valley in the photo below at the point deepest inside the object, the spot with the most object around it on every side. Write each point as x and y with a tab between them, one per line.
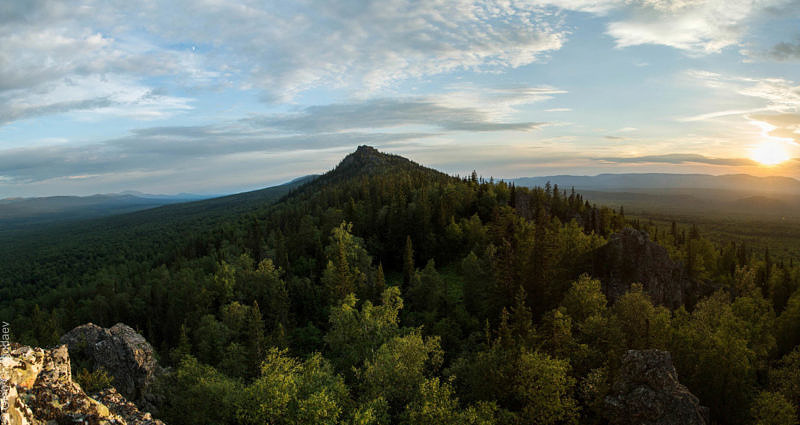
386	292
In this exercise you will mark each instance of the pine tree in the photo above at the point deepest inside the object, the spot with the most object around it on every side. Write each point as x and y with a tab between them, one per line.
380	283
505	335
184	347
767	264
408	263
513	196
674	231
521	320
694	234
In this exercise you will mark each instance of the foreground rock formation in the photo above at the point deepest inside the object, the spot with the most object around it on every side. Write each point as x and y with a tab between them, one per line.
631	257
647	392
122	352
36	388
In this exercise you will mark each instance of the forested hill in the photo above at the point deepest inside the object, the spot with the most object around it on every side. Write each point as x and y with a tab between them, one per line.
61	253
387	292
16	213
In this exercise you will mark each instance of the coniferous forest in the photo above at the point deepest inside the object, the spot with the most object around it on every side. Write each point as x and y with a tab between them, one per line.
384	292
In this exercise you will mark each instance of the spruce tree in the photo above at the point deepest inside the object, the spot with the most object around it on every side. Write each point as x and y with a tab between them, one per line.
408	263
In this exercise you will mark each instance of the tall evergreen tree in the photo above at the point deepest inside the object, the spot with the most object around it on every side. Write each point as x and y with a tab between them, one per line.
408	263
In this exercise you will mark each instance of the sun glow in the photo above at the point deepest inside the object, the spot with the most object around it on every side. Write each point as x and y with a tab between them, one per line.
769	153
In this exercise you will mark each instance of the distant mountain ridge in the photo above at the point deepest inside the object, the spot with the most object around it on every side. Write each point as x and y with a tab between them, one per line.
22	212
642	181
182	195
737	194
18	213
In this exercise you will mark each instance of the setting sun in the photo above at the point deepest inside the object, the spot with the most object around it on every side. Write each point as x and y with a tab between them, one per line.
769	153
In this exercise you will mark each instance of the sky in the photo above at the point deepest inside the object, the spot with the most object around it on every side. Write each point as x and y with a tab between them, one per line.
214	97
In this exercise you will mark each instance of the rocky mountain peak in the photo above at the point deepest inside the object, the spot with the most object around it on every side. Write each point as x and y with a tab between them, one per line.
365	150
366	161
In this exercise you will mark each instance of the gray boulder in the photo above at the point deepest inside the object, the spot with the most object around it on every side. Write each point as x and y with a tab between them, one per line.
647	392
631	257
122	352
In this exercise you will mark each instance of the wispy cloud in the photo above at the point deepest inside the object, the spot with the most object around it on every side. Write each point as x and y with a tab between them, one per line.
269	46
680	158
163	149
785	51
110	95
697	27
720	114
778	94
378	121
780	102
784	126
445	112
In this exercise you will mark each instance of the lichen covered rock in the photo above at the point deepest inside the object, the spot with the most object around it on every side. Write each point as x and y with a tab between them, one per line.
117	404
647	392
36	387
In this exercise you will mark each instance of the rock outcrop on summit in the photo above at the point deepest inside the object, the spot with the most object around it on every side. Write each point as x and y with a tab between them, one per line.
631	257
36	388
122	352
647	392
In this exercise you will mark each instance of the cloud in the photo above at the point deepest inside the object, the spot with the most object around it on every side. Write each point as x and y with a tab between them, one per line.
389	113
111	95
278	48
719	114
282	50
697	27
58	57
380	121
705	28
680	158
497	103
158	149
598	7
777	99
10	112
785	51
784	126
